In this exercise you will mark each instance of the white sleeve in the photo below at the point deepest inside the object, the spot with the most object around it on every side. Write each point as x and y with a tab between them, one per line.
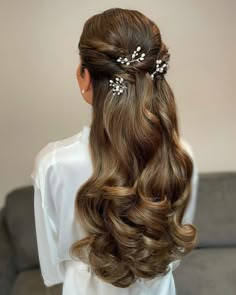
52	269
189	214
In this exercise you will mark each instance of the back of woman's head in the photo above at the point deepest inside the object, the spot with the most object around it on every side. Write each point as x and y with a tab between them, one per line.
132	206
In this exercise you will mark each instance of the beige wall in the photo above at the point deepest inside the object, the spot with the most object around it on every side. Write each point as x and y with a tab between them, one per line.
40	100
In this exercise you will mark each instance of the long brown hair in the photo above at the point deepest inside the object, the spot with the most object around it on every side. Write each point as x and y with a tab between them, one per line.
132	206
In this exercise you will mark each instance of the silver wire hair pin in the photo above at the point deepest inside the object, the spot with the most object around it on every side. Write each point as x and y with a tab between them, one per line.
159	68
118	86
135	53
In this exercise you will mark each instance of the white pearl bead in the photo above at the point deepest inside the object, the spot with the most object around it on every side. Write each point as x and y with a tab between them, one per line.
138	48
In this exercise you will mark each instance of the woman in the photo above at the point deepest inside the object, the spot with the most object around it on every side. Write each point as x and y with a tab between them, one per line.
114	204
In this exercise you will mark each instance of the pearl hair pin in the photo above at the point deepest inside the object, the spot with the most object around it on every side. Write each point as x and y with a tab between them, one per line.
159	68
117	86
135	53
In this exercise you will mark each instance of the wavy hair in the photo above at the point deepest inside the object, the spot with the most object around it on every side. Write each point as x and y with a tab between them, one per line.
132	206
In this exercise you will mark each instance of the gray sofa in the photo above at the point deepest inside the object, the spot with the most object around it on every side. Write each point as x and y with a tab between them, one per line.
209	269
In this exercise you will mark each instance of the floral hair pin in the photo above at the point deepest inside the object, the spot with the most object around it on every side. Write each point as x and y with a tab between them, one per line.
118	86
135	53
159	68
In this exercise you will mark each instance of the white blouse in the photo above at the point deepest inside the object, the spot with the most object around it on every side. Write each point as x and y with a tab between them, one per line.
60	168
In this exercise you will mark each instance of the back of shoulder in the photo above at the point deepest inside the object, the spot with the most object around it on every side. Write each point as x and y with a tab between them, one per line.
43	159
195	175
187	146
46	156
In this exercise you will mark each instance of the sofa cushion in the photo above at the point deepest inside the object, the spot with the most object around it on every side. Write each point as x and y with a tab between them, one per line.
215	216
30	283
207	271
21	227
7	266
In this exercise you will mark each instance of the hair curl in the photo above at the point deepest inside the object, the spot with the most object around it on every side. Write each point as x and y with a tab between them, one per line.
133	204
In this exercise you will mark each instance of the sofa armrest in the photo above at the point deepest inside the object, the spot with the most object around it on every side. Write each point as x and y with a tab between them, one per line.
7	266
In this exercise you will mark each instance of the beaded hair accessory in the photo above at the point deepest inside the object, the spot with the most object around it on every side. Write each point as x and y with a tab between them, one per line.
160	67
118	86
136	52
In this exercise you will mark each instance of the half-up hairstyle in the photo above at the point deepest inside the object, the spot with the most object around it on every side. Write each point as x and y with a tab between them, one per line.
133	204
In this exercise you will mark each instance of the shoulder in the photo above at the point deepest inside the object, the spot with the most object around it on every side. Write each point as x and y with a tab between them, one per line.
189	214
56	151
72	150
42	161
188	147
